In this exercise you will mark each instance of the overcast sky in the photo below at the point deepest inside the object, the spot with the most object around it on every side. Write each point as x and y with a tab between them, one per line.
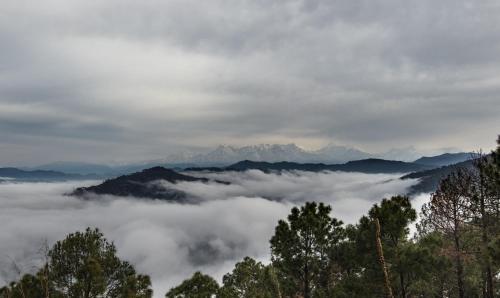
125	80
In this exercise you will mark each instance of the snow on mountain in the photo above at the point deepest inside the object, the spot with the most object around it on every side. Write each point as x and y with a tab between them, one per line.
340	154
225	154
403	154
179	157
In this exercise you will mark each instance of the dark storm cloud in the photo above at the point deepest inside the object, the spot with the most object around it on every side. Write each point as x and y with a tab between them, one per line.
190	73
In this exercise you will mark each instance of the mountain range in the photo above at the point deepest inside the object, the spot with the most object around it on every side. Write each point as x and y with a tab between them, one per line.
226	155
40	175
429	171
370	165
144	184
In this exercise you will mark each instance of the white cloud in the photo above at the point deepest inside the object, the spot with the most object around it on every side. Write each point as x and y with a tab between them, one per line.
170	241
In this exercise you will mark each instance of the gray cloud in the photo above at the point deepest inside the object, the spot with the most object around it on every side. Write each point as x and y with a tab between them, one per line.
138	79
171	241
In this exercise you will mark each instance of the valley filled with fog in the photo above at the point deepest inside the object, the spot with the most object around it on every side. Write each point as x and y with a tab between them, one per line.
170	241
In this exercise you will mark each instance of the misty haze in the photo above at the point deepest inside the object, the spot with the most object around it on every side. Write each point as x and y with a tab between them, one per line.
249	149
232	222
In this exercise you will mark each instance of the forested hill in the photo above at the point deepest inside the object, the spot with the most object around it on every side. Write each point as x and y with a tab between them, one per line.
144	184
141	185
429	179
371	165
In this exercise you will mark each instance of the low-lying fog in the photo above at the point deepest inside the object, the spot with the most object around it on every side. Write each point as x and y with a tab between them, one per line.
170	241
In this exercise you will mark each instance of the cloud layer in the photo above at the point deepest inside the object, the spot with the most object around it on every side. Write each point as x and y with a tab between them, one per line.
129	80
171	241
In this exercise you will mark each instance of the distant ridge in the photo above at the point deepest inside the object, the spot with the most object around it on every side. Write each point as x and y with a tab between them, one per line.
40	175
142	184
445	159
371	165
72	167
226	155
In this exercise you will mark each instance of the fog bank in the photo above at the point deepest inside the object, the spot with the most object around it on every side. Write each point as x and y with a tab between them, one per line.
170	241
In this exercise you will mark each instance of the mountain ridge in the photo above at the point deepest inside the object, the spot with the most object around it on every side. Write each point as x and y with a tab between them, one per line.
371	165
40	175
445	159
225	155
429	179
141	185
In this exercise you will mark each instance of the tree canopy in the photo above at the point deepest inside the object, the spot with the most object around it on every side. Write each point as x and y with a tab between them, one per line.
84	265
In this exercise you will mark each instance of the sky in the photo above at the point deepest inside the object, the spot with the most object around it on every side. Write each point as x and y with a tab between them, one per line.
122	80
170	241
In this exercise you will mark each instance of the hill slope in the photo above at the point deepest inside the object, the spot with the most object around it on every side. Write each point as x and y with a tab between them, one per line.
141	185
445	159
429	179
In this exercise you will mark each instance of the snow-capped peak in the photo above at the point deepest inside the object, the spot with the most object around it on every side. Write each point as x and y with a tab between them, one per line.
332	153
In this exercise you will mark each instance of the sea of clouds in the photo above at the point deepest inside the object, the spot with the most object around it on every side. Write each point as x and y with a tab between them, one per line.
170	241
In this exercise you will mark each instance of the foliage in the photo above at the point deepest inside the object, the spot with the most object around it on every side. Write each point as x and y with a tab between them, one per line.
28	286
362	274
198	286
300	248
250	279
84	264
